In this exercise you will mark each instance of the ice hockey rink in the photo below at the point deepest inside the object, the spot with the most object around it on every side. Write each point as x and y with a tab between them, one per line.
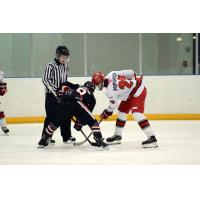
179	143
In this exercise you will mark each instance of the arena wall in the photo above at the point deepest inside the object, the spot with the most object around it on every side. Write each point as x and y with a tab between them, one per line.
169	97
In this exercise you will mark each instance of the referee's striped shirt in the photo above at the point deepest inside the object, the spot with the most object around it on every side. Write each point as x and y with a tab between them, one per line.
55	74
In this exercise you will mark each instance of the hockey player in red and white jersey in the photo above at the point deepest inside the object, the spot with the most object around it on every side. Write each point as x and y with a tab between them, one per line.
3	90
124	85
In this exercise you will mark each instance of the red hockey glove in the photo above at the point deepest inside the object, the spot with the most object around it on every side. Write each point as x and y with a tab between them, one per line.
62	91
3	88
106	114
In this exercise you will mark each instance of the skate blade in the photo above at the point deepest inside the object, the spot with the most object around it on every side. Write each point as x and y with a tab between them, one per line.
114	143
152	145
70	142
41	146
44	147
104	148
50	144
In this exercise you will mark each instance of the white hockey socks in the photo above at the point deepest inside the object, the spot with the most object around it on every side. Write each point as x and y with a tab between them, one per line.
120	123
2	120
144	124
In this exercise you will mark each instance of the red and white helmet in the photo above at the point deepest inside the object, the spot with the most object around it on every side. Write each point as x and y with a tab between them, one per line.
98	79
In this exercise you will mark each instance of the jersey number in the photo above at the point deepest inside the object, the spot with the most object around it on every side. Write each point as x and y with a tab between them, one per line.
81	91
122	84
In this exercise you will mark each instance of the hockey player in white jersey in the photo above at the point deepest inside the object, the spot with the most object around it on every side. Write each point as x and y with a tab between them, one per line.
3	90
124	85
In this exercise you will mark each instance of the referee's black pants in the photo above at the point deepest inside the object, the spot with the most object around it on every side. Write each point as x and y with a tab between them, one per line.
51	108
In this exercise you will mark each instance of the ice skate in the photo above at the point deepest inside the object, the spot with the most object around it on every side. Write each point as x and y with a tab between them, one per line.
51	141
101	144
70	140
150	143
115	139
5	130
99	141
44	141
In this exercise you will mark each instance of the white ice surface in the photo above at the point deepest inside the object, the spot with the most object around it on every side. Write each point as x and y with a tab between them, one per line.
179	143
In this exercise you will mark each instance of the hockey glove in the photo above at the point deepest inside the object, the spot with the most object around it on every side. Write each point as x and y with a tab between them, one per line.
61	91
3	88
106	114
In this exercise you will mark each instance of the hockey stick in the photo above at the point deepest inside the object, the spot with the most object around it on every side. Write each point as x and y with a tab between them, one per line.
86	139
113	143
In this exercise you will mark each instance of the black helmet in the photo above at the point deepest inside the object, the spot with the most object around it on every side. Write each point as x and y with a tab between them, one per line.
62	50
90	85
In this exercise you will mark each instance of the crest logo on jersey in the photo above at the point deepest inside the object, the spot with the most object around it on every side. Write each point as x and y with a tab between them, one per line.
114	80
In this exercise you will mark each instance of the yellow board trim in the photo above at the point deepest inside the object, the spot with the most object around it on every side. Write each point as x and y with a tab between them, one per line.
40	119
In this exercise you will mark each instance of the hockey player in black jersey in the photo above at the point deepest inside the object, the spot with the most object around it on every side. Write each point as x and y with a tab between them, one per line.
78	101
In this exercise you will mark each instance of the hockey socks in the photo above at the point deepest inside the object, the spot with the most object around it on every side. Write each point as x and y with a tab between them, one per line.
46	137
3	123
144	124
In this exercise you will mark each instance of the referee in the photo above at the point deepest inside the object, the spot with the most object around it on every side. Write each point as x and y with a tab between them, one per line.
56	73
